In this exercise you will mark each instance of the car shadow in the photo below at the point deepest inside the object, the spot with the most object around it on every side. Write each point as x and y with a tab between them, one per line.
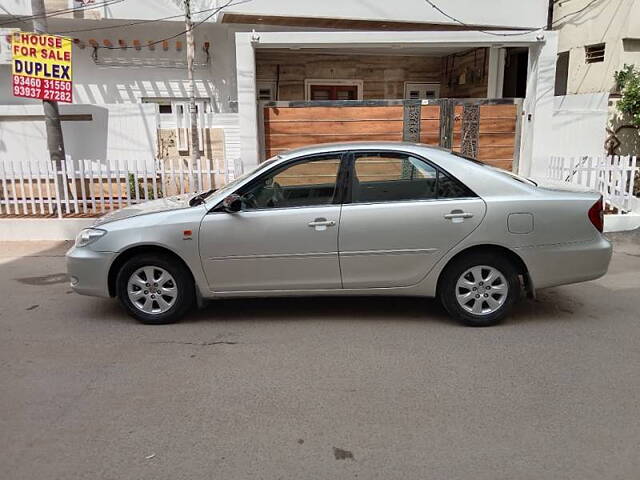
331	308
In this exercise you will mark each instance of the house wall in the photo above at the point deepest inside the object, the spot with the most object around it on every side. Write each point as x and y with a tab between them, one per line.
97	84
465	75
614	22
114	132
578	125
507	13
383	76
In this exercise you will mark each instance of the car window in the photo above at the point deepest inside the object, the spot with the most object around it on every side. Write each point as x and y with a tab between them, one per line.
388	177
305	183
449	187
511	175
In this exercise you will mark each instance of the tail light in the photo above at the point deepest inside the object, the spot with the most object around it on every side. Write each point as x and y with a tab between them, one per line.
596	215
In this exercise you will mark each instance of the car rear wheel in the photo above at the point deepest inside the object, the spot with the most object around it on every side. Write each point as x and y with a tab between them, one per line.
479	289
155	289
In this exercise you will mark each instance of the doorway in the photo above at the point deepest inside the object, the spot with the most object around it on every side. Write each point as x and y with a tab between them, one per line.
515	72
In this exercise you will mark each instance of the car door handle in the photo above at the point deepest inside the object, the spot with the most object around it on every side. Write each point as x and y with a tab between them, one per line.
322	222
452	215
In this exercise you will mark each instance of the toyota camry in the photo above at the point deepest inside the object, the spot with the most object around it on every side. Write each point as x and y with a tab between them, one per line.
348	219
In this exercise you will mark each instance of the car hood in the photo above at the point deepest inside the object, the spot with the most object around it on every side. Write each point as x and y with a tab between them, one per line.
176	202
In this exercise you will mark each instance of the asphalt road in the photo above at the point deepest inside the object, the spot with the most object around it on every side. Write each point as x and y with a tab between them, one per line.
317	388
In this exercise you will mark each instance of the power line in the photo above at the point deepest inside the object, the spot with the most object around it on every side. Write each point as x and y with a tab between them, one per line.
195	25
123	25
144	22
588	5
524	32
63	11
488	32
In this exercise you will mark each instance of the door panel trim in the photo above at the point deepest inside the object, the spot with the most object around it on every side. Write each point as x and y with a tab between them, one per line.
406	251
274	255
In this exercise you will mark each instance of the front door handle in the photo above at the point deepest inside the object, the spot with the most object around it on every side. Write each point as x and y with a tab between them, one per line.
321	224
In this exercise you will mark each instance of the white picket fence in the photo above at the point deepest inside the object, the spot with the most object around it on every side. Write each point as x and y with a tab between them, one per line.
90	188
613	176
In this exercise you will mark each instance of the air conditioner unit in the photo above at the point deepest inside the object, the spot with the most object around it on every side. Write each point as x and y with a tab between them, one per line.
5	45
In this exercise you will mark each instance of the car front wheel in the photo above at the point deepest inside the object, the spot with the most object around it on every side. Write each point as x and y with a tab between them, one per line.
480	289
155	289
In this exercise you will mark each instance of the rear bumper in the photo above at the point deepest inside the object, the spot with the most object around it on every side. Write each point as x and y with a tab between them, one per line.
560	264
89	271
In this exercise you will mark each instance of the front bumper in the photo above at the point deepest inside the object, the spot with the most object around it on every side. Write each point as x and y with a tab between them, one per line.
561	264
89	271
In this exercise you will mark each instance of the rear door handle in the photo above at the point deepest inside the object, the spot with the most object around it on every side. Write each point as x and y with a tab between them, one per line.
321	224
449	216
458	216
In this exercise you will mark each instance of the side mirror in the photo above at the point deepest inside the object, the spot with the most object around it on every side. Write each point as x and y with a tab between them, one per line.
232	203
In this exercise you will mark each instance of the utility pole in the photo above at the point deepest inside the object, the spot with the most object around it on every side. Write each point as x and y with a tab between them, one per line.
191	52
55	141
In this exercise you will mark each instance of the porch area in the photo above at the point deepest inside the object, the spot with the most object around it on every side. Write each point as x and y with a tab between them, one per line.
434	95
474	93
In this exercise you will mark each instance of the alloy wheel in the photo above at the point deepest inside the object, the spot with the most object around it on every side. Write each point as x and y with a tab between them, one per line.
152	290
482	290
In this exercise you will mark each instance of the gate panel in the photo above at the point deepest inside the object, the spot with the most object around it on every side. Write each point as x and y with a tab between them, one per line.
485	129
291	127
496	134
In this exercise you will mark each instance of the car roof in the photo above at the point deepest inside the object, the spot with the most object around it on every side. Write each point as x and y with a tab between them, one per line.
339	146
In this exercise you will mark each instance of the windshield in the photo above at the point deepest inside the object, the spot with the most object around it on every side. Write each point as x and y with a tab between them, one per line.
502	171
231	185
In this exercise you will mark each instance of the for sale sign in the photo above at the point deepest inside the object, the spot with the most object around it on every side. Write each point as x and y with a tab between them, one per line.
41	66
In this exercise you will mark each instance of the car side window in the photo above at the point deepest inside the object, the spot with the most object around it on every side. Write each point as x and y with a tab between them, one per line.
390	176
305	183
449	187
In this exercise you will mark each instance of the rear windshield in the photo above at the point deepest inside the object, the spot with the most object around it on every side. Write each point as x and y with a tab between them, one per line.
502	171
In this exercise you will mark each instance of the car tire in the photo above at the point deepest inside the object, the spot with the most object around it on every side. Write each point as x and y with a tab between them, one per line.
164	298
479	289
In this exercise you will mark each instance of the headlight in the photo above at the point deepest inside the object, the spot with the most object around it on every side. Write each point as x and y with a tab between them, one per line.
88	236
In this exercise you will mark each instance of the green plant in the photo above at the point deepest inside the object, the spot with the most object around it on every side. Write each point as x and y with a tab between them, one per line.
621	76
150	194
628	83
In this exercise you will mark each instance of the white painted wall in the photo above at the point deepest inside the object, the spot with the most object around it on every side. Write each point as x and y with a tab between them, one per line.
136	9
123	132
537	126
605	21
100	85
506	13
578	125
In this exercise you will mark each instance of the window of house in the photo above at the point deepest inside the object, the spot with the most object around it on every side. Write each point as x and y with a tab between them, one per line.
305	183
594	53
562	73
420	91
177	105
333	89
266	91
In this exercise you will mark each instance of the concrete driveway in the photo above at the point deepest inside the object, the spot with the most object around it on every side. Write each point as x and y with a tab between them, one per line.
317	388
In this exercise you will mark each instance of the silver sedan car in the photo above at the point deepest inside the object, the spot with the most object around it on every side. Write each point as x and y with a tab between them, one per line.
347	219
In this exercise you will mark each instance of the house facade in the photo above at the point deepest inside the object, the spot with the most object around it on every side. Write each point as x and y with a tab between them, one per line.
271	75
593	44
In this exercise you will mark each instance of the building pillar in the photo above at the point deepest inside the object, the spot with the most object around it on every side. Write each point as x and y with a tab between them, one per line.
495	80
538	107
247	111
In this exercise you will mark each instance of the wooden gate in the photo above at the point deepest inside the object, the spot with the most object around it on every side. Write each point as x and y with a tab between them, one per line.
488	130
